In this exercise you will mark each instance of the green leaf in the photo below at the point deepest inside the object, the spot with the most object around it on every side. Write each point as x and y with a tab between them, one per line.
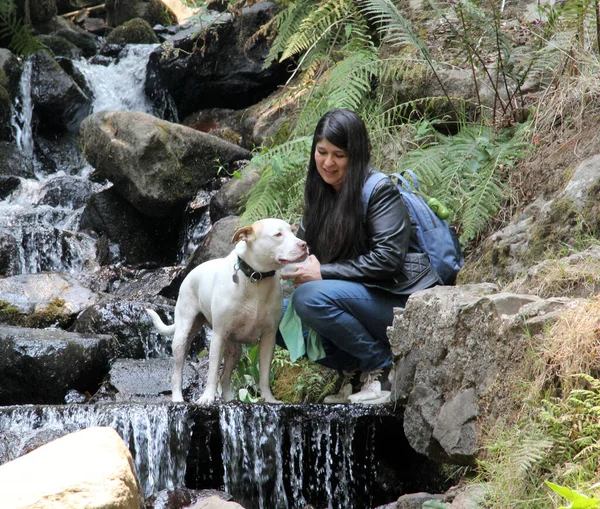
578	501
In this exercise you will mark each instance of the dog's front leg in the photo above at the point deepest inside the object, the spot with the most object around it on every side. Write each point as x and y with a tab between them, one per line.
266	349
215	355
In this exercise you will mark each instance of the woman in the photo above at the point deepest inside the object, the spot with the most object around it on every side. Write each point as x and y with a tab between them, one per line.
360	268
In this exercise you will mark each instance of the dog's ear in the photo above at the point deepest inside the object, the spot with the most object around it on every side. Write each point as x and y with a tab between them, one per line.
246	233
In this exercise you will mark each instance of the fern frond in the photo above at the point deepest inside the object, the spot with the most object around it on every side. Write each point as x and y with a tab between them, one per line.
318	27
20	36
287	23
279	191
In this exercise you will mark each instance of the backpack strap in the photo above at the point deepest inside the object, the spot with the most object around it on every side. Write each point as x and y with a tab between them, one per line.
368	188
413	177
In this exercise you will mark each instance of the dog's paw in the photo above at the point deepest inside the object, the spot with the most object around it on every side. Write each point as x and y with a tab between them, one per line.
206	399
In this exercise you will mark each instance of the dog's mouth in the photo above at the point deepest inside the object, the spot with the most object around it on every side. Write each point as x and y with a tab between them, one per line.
301	258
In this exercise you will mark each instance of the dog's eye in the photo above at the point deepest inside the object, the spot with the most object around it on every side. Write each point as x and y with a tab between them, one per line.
278	234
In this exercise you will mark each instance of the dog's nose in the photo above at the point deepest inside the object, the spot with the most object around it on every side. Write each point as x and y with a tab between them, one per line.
302	245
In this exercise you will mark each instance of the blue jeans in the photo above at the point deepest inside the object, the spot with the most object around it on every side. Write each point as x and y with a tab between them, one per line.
352	321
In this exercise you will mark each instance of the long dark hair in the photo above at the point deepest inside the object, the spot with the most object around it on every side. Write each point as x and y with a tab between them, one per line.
333	220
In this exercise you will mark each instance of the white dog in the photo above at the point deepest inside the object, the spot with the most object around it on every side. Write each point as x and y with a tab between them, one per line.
240	298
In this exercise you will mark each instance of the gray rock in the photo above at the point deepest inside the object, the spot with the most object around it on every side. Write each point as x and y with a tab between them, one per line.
156	165
34	292
148	380
452	346
41	366
58	101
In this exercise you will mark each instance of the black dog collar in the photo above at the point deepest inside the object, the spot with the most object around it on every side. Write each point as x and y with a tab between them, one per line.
248	271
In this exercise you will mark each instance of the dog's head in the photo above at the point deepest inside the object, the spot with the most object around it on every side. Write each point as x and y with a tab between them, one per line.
269	242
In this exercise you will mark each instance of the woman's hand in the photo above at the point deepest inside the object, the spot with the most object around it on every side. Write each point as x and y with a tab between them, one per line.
310	270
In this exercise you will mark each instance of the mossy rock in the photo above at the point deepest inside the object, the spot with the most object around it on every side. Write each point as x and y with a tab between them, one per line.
54	314
60	47
135	31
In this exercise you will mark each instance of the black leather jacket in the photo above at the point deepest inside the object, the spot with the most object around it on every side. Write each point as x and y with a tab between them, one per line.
391	264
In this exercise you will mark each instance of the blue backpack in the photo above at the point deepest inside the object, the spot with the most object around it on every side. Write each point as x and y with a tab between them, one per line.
435	237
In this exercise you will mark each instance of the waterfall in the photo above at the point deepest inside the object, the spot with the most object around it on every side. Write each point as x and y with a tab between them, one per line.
281	461
157	436
22	114
120	85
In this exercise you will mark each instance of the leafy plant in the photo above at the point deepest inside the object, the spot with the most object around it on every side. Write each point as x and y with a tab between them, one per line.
578	501
19	36
466	171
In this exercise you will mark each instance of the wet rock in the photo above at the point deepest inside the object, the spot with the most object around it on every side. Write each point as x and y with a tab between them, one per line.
9	254
7	185
43	300
228	73
81	39
30	293
155	165
226	201
140	239
128	322
60	47
74	396
67	192
41	366
149	379
59	102
62	474
13	163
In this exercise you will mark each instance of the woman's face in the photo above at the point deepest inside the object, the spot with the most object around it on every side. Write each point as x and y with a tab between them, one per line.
332	163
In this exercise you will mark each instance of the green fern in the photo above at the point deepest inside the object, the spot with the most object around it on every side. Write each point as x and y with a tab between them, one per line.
20	36
465	172
279	191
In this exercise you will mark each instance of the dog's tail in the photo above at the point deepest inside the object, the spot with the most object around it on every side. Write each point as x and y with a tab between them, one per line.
167	330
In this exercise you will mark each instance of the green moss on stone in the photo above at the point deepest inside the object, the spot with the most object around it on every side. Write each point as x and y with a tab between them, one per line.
135	31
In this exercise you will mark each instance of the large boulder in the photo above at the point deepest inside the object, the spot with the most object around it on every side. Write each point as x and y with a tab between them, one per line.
91	468
42	365
156	165
456	347
58	101
229	70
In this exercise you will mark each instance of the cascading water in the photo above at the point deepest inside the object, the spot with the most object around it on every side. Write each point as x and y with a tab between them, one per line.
120	84
284	457
158	436
22	113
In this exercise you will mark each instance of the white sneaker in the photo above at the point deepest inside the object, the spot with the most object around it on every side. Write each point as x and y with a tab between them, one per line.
344	392
370	390
384	397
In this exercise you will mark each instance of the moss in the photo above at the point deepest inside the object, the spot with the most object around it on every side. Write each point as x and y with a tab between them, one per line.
59	46
54	314
8	313
556	231
135	31
491	267
159	14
